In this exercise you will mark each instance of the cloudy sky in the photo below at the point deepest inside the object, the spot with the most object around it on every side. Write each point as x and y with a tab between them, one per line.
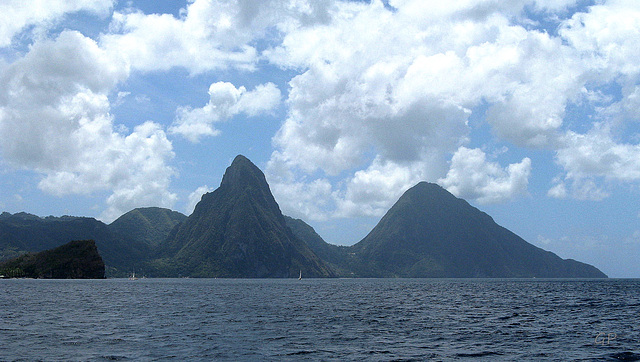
528	109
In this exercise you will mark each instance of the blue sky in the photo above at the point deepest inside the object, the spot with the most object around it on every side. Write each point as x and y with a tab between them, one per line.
528	109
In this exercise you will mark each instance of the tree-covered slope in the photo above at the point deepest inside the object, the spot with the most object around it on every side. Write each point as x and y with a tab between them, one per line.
431	233
238	230
74	260
148	225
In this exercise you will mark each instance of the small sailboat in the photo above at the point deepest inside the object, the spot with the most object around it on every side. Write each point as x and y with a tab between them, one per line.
133	276
300	277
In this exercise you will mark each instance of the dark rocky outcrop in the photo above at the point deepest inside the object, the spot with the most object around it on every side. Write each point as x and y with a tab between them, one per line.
22	232
74	260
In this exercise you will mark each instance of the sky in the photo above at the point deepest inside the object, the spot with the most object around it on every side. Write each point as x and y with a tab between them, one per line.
528	109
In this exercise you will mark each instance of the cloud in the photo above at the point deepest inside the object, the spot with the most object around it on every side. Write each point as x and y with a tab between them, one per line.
381	86
471	176
225	102
17	15
208	34
58	87
592	156
609	35
161	42
393	90
54	119
597	154
368	192
381	99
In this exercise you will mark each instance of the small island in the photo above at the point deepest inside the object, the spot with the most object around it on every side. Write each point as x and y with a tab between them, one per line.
75	260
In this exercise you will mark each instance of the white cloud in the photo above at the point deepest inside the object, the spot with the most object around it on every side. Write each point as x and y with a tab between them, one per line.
559	190
381	100
310	200
373	191
383	87
208	35
195	197
225	102
471	176
54	119
56	89
608	35
595	155
369	192
16	15
160	42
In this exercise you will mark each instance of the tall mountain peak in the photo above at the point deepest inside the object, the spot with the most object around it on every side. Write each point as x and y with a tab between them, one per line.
238	230
429	232
242	172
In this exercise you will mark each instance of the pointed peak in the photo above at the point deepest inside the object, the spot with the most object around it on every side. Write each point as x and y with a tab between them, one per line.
241	172
429	189
239	160
428	185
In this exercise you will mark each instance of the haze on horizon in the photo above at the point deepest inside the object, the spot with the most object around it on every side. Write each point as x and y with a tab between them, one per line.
528	109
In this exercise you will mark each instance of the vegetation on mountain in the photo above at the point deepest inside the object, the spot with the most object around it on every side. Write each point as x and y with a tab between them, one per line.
431	233
74	260
338	258
148	225
122	246
238	230
21	232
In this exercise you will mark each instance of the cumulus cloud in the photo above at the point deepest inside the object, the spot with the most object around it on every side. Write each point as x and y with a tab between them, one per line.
471	176
368	192
225	102
383	86
382	96
54	119
586	158
208	34
597	154
59	86
16	15
608	33
397	87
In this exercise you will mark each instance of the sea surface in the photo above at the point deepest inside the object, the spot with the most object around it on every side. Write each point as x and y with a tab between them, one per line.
320	319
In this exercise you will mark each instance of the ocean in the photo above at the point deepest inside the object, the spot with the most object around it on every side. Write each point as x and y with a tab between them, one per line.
320	319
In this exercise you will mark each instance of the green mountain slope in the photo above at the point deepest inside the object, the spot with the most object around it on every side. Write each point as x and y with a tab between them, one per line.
239	231
148	225
21	232
74	260
431	233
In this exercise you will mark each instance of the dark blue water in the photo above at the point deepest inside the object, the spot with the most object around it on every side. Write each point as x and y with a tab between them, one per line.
332	319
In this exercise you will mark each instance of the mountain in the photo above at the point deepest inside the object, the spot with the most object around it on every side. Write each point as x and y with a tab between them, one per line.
339	258
74	260
431	233
22	232
239	231
149	225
